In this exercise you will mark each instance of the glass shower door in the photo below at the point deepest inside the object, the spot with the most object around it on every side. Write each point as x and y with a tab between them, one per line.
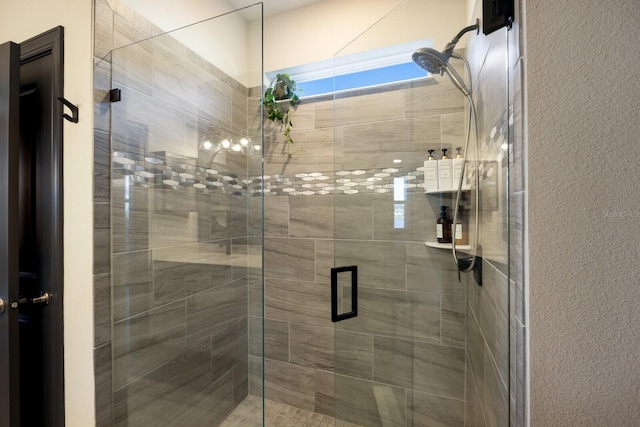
186	243
401	360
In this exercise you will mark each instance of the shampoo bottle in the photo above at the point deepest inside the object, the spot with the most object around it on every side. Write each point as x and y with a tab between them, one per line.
458	168
431	173
443	227
445	174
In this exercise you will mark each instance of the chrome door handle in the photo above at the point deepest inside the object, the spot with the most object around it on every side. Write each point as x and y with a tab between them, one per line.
1	306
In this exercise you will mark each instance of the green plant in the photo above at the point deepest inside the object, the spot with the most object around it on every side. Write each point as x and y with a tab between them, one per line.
278	99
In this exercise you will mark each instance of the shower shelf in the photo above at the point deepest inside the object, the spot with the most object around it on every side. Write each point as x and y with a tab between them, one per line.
446	246
450	190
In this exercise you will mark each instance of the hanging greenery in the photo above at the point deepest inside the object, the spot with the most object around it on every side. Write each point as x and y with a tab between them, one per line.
278	99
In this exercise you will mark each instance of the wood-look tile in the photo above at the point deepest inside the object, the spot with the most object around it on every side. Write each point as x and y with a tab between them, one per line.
325	393
500	346
179	217
102	28
101	309
453	132
162	127
311	216
284	382
101	166
380	264
276	215
228	216
474	415
425	367
211	407
426	410
475	354
438	97
210	312
101	238
496	396
145	342
378	144
418	224
409	315
453	320
186	270
289	258
240	380
158	395
431	270
101	88
129	219
369	403
132	284
132	66
360	109
298	302
104	388
313	150
353	216
325	260
275	336
312	346
228	348
354	354
239	112
172	82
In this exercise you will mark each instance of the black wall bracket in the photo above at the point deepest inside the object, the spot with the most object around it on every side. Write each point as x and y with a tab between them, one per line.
496	14
115	95
73	118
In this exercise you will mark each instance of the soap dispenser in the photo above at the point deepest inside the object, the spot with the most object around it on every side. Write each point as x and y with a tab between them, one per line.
445	175
431	173
458	168
443	227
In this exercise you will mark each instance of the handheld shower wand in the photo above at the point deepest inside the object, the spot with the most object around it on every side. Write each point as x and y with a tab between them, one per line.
438	63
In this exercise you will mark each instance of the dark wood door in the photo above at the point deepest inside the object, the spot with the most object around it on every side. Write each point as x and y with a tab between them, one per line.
31	249
9	234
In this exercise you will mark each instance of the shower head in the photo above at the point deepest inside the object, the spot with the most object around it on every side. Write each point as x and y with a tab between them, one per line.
430	60
436	62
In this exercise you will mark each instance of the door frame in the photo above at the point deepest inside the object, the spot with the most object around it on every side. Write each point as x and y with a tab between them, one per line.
9	234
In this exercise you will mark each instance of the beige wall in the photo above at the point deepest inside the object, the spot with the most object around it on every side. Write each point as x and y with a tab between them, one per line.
584	257
21	20
318	31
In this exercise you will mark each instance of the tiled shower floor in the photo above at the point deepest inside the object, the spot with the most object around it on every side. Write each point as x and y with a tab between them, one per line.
276	415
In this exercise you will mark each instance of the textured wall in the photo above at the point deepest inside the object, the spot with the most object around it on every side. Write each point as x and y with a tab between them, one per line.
583	98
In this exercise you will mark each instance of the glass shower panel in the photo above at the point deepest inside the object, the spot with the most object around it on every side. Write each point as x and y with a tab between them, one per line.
187	224
403	359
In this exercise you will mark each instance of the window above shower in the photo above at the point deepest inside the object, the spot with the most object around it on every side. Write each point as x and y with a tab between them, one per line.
376	67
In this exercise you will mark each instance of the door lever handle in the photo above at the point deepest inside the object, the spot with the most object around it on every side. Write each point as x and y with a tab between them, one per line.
1	306
44	298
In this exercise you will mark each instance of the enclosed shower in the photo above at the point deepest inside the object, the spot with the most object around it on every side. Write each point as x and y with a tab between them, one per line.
227	257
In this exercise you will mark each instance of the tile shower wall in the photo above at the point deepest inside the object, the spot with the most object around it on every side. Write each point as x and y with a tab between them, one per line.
172	257
409	336
495	393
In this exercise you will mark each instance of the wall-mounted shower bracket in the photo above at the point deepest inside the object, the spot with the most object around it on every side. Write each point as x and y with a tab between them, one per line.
464	263
496	14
